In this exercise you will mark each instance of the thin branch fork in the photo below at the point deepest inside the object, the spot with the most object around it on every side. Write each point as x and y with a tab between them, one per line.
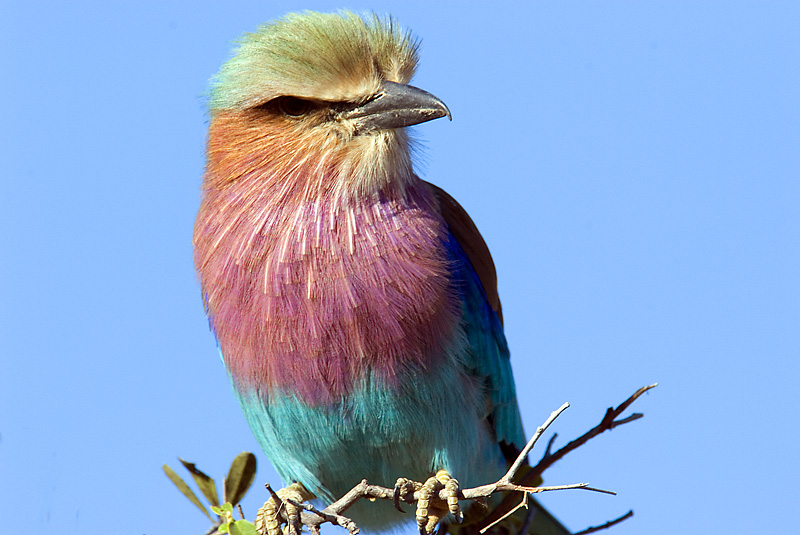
608	422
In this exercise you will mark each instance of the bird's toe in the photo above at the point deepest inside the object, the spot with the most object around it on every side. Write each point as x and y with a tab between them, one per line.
281	510
431	507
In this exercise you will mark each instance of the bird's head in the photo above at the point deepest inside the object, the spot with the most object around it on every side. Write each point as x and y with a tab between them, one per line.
322	97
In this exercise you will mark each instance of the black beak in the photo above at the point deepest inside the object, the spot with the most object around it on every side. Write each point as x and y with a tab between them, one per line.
396	106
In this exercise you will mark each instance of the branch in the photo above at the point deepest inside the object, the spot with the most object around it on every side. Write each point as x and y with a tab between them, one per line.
608	423
340	520
607	525
523	455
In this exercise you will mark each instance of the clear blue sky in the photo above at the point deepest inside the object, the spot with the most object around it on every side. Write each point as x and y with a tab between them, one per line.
634	167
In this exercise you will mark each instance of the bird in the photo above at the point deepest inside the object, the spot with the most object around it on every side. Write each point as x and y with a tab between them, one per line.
354	305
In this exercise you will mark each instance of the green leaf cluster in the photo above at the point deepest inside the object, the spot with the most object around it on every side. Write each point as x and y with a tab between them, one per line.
238	481
231	526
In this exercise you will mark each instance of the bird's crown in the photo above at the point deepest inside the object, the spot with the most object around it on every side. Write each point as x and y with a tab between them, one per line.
323	56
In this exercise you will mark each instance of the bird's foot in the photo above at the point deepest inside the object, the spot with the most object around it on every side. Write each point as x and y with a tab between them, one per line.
431	506
279	511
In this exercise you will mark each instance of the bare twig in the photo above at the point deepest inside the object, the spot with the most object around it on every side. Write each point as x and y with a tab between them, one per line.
526	525
523	503
550	444
273	494
523	455
323	517
607	525
608	422
362	490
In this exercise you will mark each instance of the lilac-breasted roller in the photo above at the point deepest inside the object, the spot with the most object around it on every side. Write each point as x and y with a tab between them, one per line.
354	304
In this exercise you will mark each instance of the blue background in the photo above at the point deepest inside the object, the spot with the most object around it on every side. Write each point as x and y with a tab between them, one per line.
634	167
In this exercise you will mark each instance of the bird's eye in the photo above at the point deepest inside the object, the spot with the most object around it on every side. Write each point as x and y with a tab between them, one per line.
294	107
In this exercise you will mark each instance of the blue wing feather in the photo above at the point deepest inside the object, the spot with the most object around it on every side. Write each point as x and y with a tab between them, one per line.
488	356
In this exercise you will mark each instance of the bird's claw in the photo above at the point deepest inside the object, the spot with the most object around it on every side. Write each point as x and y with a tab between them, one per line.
404	490
280	510
431	507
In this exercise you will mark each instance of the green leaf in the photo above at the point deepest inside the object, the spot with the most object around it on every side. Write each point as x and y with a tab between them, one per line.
226	509
204	483
240	477
184	488
242	527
